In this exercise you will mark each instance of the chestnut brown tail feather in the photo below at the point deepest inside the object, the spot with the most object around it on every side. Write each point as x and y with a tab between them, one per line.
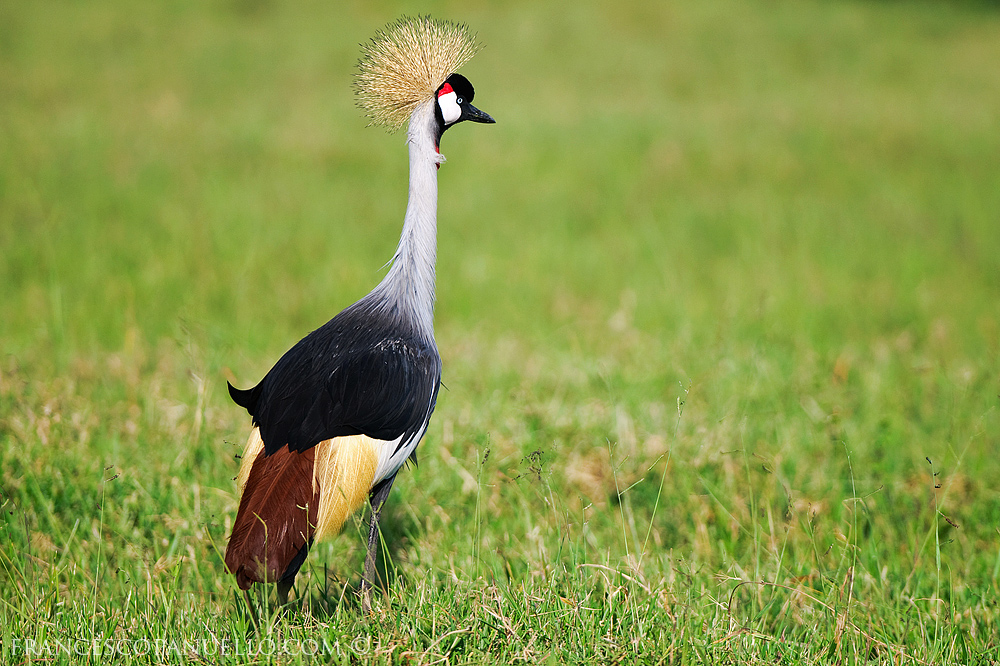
276	519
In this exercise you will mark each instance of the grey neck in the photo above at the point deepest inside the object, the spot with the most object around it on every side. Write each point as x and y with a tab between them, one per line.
408	287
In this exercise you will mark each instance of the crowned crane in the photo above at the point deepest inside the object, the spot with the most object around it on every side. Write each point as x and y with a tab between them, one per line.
338	415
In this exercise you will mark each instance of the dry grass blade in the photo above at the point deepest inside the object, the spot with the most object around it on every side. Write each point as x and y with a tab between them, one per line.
842	621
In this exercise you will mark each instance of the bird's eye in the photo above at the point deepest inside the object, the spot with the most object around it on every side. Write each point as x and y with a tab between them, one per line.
458	101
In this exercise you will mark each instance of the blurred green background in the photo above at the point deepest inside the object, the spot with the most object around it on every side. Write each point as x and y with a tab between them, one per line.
824	172
758	241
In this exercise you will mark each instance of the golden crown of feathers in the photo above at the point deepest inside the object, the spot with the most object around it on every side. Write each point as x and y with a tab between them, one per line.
405	62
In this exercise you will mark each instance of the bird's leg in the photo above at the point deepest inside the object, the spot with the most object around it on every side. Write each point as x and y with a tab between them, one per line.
369	576
287	579
283	587
377	498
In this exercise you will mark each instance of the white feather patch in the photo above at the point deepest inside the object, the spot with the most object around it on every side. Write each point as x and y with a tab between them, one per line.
450	110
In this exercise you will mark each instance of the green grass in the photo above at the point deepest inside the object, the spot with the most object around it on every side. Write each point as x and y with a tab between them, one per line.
719	307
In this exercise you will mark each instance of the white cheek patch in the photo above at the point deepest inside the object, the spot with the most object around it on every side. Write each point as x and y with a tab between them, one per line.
450	110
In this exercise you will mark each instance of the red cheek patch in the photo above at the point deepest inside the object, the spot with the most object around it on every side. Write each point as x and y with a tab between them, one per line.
445	89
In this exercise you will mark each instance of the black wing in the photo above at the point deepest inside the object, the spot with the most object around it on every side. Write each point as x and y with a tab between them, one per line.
360	373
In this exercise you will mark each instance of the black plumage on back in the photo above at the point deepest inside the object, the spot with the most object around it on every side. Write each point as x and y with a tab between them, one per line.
361	373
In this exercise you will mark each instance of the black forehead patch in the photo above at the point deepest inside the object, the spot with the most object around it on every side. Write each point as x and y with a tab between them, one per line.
461	86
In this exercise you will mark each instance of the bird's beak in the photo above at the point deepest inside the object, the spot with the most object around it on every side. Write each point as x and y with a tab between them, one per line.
470	112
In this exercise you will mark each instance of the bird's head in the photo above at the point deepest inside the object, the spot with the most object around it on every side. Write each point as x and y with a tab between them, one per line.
413	61
454	103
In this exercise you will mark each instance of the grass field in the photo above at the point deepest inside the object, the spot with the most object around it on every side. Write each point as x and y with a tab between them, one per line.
718	303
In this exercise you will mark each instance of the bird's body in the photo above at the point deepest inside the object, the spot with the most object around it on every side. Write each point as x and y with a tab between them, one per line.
340	413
